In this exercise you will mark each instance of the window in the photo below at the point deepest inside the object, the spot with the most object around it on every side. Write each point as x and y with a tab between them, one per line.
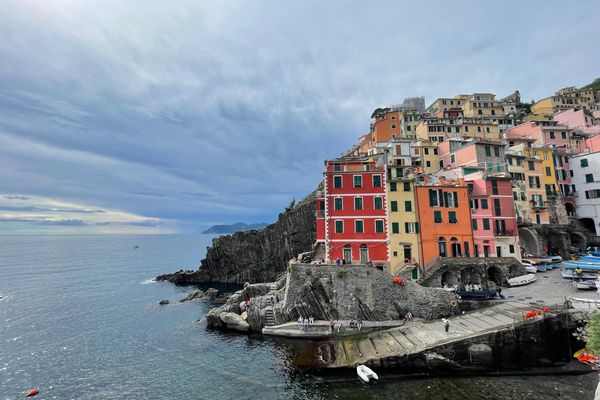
358	226
531	165
407	186
551	135
426	150
393	187
484	204
494	187
434	196
394	206
442	247
411	227
488	151
337	167
435	151
452	158
428	163
589	178
584	162
395	227
337	182
393	126
376	181
452	217
339	226
357	181
407	206
437	217
497	209
358	203
511	248
378	203
548	171
486	224
563	135
497	151
474	224
338	203
379	226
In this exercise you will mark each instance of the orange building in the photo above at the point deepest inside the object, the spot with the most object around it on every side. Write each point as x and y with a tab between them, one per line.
445	220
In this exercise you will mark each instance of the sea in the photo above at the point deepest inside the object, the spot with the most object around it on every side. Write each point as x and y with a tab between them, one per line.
80	319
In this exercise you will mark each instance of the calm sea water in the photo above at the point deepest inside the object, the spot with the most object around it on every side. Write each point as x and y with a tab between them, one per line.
80	320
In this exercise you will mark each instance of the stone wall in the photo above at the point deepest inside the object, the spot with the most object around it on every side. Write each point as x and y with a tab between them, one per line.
461	271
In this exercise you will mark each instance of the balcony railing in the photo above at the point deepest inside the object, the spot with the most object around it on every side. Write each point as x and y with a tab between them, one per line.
504	232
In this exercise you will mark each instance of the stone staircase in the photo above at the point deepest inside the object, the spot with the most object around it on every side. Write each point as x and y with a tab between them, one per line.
269	314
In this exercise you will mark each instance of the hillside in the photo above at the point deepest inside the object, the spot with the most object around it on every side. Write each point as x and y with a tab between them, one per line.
237	227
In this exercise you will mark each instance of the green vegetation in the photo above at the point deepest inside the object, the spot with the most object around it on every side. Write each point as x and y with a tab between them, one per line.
291	205
341	273
593	333
594	85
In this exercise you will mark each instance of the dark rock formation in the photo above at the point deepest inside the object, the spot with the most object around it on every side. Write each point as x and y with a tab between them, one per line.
211	294
330	292
164	302
258	255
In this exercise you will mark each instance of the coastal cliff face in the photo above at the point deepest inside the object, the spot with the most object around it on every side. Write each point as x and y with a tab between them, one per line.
258	255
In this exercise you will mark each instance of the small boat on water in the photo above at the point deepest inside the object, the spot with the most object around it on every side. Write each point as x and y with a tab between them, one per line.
521	280
365	373
570	274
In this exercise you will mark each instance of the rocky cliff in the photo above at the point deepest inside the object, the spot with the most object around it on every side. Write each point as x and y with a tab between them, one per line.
258	255
329	292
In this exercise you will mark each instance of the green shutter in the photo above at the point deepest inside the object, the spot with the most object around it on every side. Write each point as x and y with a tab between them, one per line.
395	227
407	206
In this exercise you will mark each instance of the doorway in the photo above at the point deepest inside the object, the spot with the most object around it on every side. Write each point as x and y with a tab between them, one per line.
348	254
364	254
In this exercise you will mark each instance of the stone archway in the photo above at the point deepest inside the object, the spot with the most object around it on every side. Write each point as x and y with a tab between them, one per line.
529	241
449	278
494	274
588	224
471	275
578	240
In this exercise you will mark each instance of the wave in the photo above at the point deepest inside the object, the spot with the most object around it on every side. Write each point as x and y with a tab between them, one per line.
147	281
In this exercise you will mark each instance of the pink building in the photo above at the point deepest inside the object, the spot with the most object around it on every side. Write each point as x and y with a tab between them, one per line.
578	119
482	165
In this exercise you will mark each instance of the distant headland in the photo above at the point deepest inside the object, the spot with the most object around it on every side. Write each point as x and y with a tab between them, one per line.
237	227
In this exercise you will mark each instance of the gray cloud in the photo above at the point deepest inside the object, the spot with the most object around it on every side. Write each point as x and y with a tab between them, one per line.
174	112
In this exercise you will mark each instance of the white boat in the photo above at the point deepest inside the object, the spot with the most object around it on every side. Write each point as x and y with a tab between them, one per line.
365	373
521	280
570	274
585	284
584	304
531	269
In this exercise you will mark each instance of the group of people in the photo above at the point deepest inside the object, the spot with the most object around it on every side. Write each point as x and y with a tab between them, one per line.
473	287
305	322
409	317
358	324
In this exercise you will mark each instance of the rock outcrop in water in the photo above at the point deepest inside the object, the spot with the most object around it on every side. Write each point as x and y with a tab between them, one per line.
331	292
258	255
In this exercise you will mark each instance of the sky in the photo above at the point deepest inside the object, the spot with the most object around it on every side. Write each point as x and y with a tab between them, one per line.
128	116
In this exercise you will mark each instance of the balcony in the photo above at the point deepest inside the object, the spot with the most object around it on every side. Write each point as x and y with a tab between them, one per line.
504	232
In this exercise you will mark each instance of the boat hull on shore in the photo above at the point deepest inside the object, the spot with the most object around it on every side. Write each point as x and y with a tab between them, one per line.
521	280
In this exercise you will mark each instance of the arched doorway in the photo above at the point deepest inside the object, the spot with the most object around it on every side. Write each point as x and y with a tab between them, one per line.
364	254
578	240
448	278
470	275
455	247
494	274
570	209
348	254
442	247
588	224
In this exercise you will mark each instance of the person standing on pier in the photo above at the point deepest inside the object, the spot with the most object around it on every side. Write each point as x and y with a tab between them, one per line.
446	324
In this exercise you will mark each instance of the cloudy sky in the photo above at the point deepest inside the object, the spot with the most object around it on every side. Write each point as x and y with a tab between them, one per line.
151	116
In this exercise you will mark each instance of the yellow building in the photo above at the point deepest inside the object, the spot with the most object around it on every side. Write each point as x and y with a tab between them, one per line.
425	155
565	98
549	182
403	227
481	104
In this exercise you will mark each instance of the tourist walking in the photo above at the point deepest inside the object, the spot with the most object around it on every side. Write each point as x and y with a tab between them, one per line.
446	324
359	324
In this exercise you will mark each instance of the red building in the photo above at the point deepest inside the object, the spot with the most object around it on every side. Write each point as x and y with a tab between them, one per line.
351	212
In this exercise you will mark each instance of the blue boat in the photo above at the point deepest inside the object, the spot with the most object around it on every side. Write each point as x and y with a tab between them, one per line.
586	266
590	258
541	267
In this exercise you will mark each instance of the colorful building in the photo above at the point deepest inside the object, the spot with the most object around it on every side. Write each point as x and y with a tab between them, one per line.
351	212
403	226
586	177
444	219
